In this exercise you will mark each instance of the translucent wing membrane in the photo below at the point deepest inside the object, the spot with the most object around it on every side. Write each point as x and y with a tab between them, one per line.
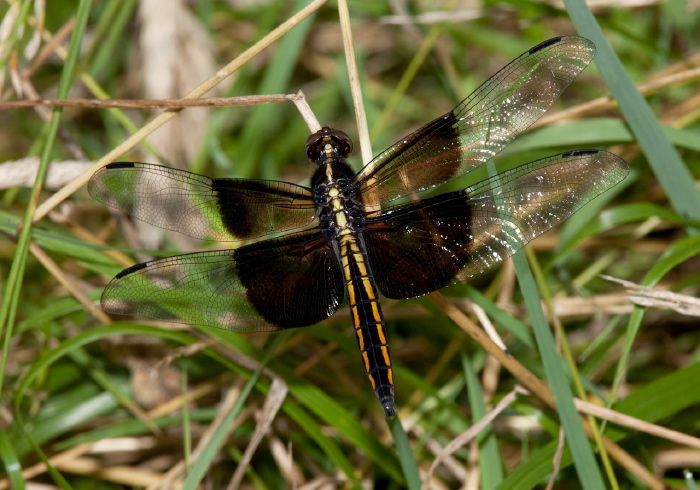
202	207
481	125
420	247
277	284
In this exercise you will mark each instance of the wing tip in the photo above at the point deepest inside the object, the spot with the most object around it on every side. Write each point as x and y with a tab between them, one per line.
587	43
545	44
614	162
131	270
579	153
118	165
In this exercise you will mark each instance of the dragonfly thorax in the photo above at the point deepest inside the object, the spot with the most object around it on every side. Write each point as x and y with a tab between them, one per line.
339	209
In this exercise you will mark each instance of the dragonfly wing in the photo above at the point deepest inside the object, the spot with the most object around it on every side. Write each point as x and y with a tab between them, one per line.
202	207
287	282
480	126
460	234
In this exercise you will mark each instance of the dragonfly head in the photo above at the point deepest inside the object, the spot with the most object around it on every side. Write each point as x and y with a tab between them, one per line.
327	141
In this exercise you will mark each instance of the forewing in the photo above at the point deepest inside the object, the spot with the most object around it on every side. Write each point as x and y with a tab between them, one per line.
480	126
202	207
275	284
420	247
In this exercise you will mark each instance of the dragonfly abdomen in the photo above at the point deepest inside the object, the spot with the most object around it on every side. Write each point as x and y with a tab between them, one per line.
367	320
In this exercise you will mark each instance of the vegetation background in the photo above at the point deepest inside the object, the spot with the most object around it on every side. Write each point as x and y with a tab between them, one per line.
85	403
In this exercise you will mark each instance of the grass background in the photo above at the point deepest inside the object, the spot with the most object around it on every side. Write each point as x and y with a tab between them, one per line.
137	404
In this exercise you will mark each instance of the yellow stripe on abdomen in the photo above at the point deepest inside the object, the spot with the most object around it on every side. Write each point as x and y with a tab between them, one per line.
367	319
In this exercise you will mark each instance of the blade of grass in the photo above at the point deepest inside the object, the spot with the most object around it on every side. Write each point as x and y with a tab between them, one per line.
354	80
10	461
263	121
13	40
14	282
663	157
68	410
510	323
577	442
568	356
679	252
87	337
534	384
320	403
658	400
596	131
406	457
211	449
108	37
490	463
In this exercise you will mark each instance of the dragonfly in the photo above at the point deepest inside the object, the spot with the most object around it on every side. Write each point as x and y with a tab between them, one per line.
303	249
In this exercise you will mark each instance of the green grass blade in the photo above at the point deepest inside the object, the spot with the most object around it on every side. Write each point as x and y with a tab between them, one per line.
10	461
510	323
326	408
595	131
207	456
252	157
663	157
406	457
577	442
679	252
656	401
490	463
13	289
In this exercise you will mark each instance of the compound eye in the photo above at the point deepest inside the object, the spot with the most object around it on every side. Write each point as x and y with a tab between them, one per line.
344	143
312	153
312	147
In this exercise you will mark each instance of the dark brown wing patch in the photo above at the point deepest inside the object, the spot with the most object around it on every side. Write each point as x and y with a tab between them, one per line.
202	207
420	247
289	282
